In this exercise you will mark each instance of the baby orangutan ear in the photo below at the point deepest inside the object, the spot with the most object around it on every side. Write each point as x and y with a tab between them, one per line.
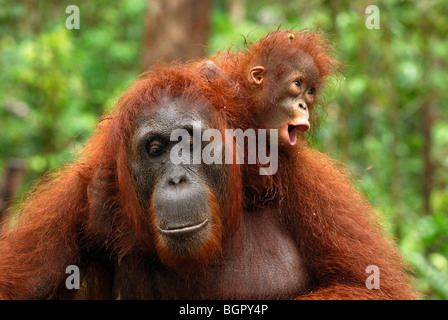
256	75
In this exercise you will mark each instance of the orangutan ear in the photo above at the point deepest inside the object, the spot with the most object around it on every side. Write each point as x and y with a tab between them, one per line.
256	75
209	70
100	195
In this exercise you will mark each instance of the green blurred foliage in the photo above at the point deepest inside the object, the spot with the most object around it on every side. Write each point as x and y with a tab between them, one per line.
55	83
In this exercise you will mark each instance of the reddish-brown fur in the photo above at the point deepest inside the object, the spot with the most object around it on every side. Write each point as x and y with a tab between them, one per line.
88	214
276	51
337	230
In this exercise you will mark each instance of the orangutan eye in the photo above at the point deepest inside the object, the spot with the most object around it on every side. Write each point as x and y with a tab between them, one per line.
297	83
312	91
155	148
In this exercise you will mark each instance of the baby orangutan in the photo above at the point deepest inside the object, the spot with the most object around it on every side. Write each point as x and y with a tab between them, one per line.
278	81
285	72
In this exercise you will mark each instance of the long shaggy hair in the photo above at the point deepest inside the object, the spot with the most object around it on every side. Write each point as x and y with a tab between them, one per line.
90	209
337	230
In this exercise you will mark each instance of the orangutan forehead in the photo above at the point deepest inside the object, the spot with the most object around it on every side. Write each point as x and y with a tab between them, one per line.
291	62
304	63
171	112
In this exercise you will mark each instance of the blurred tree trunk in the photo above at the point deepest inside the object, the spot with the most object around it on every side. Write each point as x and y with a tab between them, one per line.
12	178
237	10
175	30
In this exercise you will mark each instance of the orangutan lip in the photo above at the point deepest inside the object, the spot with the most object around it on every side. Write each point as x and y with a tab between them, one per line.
183	229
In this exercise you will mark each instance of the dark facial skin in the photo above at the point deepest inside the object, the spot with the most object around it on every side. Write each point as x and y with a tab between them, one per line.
182	217
295	95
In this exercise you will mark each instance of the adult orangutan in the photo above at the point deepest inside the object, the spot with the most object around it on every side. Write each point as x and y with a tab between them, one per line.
124	201
140	226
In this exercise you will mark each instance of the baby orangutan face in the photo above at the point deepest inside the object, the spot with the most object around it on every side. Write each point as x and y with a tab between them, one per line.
295	95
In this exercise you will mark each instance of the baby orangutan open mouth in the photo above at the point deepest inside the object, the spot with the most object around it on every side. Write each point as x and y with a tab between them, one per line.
292	131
